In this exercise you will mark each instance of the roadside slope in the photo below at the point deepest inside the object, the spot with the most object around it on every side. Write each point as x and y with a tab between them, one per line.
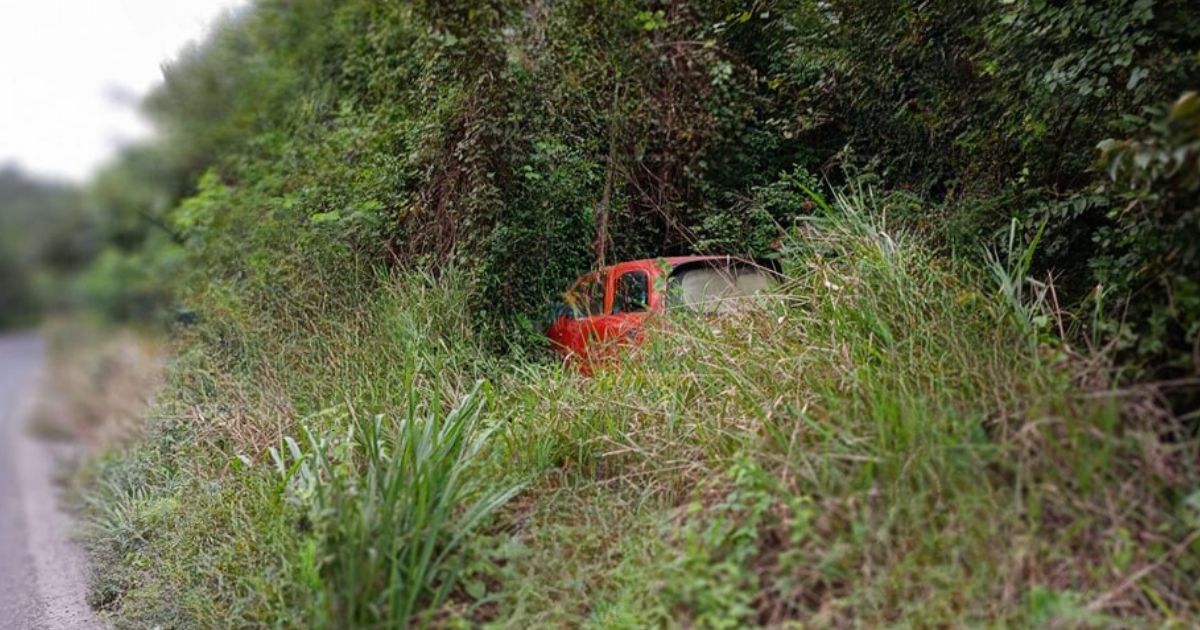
847	455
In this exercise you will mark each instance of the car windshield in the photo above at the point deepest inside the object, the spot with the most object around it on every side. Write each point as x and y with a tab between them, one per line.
587	298
716	289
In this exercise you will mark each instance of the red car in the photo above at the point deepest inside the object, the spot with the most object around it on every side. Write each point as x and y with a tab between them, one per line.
609	308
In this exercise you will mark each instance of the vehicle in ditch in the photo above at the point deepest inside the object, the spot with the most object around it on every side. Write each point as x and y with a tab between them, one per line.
607	309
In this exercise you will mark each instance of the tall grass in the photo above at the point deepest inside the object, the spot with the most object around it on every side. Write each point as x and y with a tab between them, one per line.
889	442
392	506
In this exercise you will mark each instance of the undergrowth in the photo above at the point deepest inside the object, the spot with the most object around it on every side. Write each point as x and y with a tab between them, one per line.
892	440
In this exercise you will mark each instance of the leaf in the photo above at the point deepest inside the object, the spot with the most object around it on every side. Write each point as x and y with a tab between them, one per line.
293	447
1186	107
279	465
240	462
476	589
1136	77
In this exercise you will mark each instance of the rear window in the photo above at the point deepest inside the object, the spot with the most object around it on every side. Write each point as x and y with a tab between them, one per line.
716	289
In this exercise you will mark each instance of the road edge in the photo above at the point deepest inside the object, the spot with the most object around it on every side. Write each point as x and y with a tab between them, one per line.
60	563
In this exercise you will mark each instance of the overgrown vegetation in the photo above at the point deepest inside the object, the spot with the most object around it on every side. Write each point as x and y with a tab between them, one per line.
525	141
364	209
850	457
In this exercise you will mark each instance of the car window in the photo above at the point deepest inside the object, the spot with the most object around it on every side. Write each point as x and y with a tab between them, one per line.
632	294
716	289
588	297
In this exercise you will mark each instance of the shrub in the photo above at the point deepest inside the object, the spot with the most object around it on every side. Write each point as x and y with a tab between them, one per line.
1148	262
391	509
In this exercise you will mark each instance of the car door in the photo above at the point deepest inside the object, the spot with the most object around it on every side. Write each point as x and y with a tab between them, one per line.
628	306
586	300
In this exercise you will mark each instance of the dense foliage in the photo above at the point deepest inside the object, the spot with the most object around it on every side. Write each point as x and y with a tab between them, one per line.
528	141
363	207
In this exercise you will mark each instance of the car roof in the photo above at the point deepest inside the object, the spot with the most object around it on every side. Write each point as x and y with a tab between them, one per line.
675	261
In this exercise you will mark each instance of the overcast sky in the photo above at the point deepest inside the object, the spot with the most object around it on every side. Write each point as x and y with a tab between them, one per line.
71	72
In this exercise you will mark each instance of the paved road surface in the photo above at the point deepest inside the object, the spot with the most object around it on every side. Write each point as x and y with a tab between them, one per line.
42	572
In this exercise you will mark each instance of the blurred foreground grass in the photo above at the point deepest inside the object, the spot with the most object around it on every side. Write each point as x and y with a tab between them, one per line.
98	382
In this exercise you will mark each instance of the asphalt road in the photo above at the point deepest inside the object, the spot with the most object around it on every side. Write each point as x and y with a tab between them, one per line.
42	571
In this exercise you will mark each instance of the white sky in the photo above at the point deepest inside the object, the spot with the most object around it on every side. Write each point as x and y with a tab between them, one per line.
72	71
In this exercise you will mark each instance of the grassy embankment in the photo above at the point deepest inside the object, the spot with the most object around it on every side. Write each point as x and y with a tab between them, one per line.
894	441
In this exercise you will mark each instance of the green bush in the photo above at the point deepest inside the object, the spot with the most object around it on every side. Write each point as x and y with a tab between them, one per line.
1148	262
391	508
